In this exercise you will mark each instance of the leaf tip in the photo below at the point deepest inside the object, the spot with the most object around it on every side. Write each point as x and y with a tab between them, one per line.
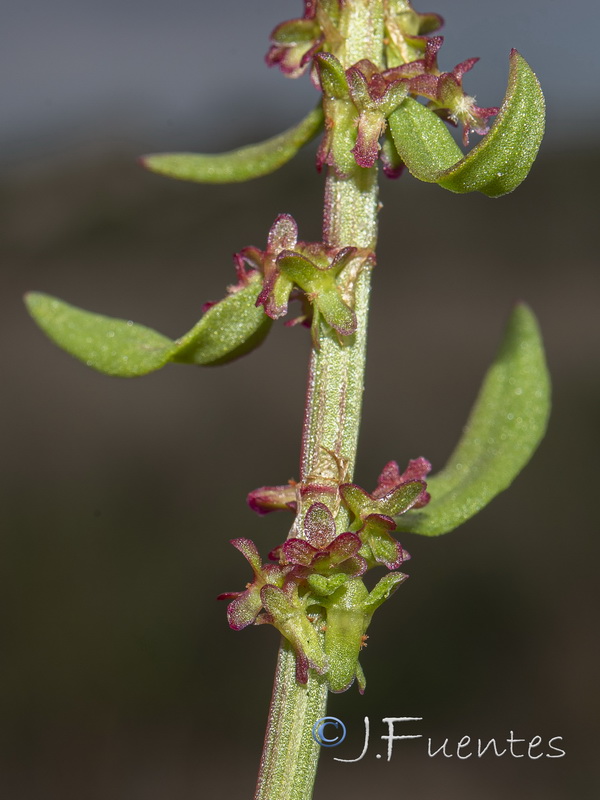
35	302
151	162
29	299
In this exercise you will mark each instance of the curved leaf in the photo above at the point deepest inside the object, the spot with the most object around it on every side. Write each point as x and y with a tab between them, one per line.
236	166
504	429
501	160
124	349
229	329
114	346
423	141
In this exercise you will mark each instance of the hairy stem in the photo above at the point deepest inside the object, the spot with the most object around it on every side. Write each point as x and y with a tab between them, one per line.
330	435
336	371
290	753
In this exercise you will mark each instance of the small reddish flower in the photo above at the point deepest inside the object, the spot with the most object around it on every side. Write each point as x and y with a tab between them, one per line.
321	551
274	592
276	290
273	498
444	89
296	41
375	94
357	102
390	479
322	277
374	513
245	606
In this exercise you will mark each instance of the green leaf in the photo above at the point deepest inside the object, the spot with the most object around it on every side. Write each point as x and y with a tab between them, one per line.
423	141
501	160
383	546
240	165
506	425
114	346
385	587
228	330
335	311
124	349
324	586
320	286
332	76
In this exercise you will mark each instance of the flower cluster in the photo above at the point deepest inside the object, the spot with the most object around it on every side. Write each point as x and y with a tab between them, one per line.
297	41
311	590
322	277
357	101
444	89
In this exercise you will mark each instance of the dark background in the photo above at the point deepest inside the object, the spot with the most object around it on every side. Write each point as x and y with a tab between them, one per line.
120	677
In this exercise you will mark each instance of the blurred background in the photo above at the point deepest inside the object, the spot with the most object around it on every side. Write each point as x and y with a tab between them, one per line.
119	675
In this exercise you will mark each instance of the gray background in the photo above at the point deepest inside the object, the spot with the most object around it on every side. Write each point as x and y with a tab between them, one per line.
120	677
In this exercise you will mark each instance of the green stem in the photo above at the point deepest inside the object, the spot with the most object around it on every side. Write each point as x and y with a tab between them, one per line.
336	371
330	436
290	753
336	378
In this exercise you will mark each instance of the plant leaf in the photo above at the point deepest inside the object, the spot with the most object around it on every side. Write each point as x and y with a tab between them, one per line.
423	141
385	587
501	160
228	330
236	166
336	312
506	425
114	346
124	349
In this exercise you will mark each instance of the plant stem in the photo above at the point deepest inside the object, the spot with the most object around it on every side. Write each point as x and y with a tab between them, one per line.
336	378
330	434
290	754
336	370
